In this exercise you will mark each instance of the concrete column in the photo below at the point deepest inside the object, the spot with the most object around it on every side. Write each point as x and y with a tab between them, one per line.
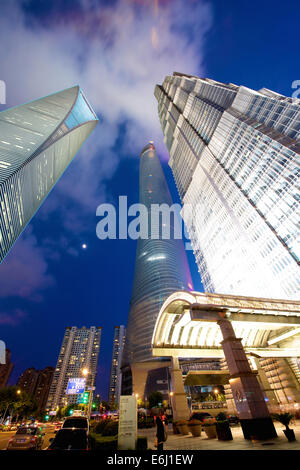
247	394
179	400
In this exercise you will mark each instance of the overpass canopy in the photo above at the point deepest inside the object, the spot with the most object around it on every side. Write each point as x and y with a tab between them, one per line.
187	325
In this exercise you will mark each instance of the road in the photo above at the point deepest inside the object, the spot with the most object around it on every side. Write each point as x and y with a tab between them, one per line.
5	436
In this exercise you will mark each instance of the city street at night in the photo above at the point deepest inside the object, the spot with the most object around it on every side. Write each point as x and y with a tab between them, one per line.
149	229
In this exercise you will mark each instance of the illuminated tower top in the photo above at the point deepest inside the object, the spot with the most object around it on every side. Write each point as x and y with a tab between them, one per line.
161	265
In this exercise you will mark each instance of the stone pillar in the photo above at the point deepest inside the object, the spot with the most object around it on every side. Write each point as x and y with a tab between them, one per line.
249	400
179	401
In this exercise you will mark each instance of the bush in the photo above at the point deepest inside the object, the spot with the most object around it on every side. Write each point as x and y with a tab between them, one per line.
103	443
111	429
221	417
93	424
283	418
99	427
142	443
155	399
194	422
147	422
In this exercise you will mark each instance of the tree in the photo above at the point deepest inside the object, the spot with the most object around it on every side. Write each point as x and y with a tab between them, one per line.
67	410
16	402
155	399
210	398
105	406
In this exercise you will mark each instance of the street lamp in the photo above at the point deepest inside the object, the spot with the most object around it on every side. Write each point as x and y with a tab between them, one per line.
18	392
216	393
171	400
85	372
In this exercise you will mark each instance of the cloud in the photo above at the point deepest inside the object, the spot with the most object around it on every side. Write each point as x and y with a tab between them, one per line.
117	53
12	318
23	272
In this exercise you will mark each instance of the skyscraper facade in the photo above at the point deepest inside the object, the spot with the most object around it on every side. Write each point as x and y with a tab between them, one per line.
36	383
79	350
234	153
28	380
161	268
38	140
115	372
42	388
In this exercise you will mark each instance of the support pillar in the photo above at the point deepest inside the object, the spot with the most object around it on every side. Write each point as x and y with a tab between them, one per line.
179	401
249	400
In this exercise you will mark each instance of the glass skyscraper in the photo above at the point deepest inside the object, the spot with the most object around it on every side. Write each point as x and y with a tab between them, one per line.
38	140
161	266
79	350
234	153
115	371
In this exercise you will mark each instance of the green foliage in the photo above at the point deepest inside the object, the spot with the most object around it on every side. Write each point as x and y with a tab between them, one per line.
194	422
142	443
209	422
154	399
107	443
221	397
111	429
147	422
93	424
105	405
18	403
283	418
114	406
221	417
210	398
99	427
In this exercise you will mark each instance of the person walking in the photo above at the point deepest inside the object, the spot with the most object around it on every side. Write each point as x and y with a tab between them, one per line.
160	432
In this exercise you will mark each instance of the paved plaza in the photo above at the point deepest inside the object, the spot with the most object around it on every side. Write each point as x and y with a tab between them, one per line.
179	442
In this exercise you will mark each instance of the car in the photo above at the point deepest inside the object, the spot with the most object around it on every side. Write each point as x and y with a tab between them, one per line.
57	427
78	422
201	416
70	439
233	419
26	438
9	427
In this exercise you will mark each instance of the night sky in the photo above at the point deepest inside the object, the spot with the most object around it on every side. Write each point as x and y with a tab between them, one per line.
116	51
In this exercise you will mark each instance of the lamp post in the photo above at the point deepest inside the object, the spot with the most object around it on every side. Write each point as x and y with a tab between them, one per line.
86	373
171	401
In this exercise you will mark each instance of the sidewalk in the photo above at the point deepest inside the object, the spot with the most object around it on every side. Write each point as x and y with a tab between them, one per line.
179	442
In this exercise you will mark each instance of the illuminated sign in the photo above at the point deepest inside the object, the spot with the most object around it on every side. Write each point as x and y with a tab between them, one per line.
75	386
